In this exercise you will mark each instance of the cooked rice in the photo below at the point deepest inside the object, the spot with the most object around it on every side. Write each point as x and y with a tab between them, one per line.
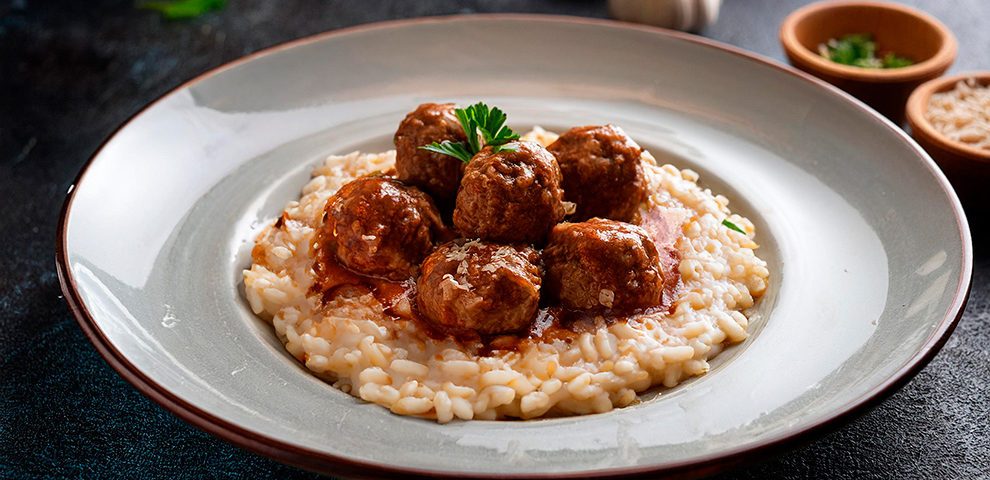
355	346
963	113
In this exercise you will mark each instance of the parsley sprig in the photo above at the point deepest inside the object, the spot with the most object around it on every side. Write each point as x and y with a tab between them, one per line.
482	126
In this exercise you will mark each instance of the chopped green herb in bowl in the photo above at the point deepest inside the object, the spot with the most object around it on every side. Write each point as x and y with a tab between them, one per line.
860	50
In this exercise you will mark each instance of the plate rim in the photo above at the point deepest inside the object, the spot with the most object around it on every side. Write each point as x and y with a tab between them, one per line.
341	465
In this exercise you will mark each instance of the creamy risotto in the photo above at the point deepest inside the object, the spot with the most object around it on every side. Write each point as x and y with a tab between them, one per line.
375	352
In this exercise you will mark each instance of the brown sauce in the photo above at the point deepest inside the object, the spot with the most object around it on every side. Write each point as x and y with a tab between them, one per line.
664	227
332	278
398	298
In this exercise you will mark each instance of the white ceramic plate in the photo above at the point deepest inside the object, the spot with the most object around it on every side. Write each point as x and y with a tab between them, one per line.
869	251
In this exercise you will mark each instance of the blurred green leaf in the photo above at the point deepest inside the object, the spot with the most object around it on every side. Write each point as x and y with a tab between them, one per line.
183	9
893	61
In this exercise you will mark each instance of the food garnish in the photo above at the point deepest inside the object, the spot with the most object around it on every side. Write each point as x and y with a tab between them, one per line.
860	50
732	226
483	126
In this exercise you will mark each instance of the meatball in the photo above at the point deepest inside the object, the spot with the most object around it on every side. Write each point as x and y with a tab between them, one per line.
603	264
488	288
435	173
511	196
380	227
602	172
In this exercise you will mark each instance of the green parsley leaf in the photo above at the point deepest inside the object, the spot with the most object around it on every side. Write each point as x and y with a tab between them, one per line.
503	148
470	126
482	126
732	226
457	150
493	128
183	9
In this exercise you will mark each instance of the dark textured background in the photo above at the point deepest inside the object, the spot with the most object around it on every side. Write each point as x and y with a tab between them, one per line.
70	72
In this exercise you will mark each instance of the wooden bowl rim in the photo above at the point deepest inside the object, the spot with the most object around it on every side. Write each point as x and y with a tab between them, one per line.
933	66
917	105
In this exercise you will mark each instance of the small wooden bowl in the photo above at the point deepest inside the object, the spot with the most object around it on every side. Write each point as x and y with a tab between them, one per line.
896	28
967	167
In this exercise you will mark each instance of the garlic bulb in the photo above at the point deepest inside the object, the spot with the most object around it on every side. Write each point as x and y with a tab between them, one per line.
686	15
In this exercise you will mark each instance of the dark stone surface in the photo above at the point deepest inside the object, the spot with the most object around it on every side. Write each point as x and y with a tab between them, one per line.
70	72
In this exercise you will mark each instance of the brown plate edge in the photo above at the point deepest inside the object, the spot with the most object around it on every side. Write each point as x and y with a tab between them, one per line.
331	464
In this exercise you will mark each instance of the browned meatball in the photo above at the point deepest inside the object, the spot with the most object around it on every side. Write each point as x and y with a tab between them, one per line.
437	174
479	286
603	264
380	227
602	172
512	196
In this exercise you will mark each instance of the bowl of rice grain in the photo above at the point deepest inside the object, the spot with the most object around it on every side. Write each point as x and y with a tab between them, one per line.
950	118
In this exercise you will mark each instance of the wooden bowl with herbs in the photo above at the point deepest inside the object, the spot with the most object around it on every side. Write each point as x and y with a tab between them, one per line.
877	51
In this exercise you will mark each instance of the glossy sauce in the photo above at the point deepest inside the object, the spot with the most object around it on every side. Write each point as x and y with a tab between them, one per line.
552	322
663	225
332	279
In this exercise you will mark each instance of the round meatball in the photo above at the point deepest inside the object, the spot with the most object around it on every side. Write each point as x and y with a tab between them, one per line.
481	287
603	264
512	195
380	227
435	173
602	172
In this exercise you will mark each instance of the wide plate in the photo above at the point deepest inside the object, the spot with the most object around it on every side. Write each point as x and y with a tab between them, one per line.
868	247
